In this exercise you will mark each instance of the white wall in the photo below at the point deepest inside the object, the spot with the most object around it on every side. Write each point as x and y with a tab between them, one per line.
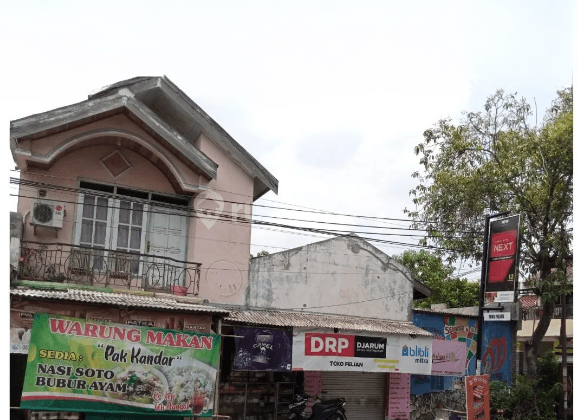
329	276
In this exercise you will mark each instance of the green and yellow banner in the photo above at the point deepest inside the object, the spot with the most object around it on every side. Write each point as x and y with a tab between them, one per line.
96	366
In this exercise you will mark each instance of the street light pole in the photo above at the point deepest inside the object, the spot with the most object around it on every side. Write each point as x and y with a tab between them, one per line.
483	289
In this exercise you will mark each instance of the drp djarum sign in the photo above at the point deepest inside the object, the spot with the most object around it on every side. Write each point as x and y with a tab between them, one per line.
314	351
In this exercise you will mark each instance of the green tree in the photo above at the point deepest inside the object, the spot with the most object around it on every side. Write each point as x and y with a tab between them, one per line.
528	399
429	269
262	253
495	160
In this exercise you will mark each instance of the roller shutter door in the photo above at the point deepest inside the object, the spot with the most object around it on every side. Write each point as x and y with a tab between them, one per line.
364	393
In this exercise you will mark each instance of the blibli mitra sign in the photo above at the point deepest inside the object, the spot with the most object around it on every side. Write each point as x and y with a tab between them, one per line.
421	354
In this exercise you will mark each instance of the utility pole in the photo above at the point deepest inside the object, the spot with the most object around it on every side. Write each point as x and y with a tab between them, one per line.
483	289
564	359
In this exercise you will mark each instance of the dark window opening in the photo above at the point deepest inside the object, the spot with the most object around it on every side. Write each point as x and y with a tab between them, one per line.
96	187
132	193
170	200
17	369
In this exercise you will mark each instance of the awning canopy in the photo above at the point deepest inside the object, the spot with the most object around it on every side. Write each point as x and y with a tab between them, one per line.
283	318
166	302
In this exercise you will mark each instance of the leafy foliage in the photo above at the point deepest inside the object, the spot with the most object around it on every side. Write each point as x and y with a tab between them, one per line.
495	160
262	253
528	399
429	269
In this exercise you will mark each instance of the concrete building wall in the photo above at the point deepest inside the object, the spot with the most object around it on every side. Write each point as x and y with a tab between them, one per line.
328	276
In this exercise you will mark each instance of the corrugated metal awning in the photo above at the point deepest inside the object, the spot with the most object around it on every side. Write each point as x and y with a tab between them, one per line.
280	318
469	311
119	299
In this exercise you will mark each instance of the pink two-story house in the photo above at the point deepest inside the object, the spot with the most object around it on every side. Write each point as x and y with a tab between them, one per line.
134	207
139	188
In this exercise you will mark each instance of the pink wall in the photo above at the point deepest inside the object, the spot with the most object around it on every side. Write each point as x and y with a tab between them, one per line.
85	163
221	247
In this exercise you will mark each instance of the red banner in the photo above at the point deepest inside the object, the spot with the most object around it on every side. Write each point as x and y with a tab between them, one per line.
478	397
503	251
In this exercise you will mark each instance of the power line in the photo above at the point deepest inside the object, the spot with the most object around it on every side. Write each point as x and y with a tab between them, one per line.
260	222
116	196
277	208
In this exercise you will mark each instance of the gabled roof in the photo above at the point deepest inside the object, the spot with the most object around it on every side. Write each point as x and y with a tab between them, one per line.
158	106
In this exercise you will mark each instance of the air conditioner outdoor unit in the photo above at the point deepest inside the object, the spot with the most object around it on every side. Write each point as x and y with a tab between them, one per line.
47	213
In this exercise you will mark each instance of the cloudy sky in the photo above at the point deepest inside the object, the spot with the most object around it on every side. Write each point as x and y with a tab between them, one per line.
330	96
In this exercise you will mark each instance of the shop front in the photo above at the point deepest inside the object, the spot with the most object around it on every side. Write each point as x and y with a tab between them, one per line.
257	381
113	363
366	361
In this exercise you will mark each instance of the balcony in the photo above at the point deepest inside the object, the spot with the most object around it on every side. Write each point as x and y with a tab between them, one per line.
101	267
536	312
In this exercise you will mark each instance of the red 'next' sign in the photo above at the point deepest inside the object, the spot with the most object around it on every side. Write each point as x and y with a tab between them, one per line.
502	259
504	244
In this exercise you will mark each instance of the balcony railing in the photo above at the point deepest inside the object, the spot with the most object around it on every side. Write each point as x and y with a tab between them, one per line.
65	263
536	312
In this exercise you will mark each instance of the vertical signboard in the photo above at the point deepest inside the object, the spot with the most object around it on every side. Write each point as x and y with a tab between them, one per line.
504	243
313	384
398	401
478	397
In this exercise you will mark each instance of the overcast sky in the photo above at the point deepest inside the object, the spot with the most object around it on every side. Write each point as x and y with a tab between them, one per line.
330	96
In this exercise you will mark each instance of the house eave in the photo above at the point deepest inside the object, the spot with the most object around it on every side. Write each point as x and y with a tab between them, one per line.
65	118
146	88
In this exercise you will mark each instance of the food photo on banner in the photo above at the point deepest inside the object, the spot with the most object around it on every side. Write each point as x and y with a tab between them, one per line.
503	253
259	349
322	351
97	366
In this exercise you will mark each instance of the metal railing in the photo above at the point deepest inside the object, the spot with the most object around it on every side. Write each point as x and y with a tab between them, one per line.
66	263
535	312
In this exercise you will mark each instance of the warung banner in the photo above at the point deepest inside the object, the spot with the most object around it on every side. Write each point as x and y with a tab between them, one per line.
96	366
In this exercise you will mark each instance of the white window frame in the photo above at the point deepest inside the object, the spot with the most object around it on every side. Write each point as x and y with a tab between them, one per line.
115	225
113	210
79	214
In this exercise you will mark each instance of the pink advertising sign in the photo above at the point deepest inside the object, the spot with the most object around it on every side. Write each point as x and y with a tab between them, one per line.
449	358
313	384
398	405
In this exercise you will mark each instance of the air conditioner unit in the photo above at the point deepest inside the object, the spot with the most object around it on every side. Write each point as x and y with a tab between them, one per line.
47	213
